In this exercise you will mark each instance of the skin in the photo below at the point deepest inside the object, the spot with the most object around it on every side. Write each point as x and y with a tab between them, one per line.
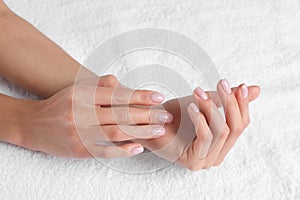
48	125
195	140
191	133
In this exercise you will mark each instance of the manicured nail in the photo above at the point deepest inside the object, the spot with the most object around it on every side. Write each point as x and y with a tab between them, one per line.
157	97
194	108
137	150
201	93
158	131
244	91
226	86
165	117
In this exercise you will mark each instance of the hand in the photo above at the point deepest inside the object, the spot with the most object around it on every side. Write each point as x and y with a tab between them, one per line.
204	140
75	121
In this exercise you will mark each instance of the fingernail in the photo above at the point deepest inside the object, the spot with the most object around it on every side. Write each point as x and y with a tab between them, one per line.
165	117
244	91
201	93
158	131
157	97
226	86
194	108
137	150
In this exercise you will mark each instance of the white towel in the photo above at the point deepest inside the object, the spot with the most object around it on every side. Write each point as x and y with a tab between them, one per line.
257	42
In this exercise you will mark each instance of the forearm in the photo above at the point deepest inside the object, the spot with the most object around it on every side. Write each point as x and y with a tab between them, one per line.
13	113
31	60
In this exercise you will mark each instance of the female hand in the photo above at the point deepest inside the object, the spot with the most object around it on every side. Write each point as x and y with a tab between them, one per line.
75	121
198	140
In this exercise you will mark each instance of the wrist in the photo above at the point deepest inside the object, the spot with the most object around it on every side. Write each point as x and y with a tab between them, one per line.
14	113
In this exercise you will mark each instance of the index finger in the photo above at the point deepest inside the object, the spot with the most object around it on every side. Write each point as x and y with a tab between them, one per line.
125	96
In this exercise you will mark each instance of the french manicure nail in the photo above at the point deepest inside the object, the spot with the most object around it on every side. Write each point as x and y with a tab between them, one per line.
157	97
200	92
165	117
226	86
137	150
244	91
158	131
194	108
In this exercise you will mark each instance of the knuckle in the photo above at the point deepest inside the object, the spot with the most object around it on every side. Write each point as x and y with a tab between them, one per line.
77	150
112	79
143	96
120	95
225	131
194	167
150	115
237	130
206	136
206	167
122	115
116	135
226	128
209	104
247	121
218	162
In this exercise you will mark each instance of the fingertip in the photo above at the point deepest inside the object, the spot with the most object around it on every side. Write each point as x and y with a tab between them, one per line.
254	92
200	94
157	97
257	89
243	91
225	86
158	132
166	117
224	92
136	148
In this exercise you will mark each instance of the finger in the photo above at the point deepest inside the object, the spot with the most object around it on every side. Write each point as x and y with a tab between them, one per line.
100	81
253	93
121	133
218	127
242	97
201	144
212	115
125	96
215	152
116	151
230	105
108	81
132	115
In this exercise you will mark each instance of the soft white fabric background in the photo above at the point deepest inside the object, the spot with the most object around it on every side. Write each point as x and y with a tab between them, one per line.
257	42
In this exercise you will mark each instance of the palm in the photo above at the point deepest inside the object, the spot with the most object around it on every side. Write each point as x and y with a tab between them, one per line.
179	134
